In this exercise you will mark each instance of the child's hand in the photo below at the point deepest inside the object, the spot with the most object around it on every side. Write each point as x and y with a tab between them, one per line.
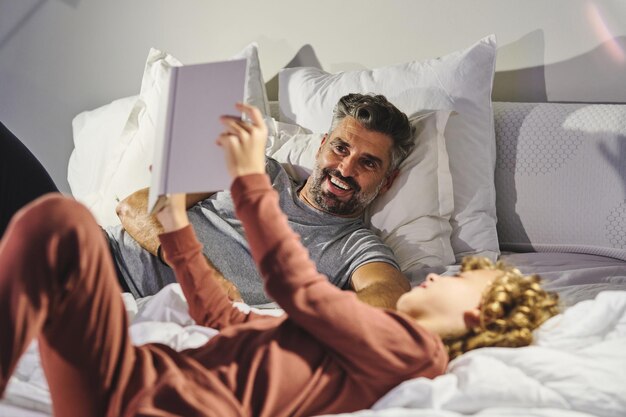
243	142
173	214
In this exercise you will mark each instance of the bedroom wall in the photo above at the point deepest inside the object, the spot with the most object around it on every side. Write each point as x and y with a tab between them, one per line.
60	57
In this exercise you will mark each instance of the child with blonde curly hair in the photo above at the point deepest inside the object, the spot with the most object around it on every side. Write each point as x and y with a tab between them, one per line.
511	307
329	353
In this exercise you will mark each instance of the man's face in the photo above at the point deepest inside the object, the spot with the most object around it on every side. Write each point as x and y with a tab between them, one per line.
351	169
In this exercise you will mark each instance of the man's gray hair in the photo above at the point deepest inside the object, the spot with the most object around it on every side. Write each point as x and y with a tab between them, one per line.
376	113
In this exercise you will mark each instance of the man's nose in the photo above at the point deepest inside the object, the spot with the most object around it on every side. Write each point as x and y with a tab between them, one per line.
347	166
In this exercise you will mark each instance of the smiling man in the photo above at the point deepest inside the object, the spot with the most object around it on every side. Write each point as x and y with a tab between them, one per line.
352	167
357	160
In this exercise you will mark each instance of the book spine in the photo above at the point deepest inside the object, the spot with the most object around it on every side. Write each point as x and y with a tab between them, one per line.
162	139
169	128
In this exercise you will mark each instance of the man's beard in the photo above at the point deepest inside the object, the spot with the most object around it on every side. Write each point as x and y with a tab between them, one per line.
331	203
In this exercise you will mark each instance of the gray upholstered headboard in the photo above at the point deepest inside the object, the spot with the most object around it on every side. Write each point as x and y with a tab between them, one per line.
561	177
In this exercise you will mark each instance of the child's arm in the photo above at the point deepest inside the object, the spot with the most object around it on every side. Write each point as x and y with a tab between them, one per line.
208	303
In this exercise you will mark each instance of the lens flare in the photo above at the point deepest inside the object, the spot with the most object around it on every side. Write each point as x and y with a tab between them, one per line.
604	34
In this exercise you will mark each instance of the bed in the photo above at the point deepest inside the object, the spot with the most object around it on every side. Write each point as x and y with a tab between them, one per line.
539	185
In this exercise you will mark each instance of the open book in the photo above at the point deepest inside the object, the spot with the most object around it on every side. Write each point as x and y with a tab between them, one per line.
186	156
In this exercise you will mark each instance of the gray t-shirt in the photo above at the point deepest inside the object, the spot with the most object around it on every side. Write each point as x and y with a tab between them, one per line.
337	245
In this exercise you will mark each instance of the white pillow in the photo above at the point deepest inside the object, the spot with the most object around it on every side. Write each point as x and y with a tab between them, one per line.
294	147
128	137
255	93
412	217
95	135
462	82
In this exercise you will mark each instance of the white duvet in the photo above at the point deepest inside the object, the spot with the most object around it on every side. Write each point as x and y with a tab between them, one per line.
576	367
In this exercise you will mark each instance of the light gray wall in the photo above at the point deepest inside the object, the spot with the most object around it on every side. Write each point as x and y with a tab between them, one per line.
60	57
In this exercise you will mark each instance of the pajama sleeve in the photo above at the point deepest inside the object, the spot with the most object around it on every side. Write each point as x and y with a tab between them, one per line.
208	303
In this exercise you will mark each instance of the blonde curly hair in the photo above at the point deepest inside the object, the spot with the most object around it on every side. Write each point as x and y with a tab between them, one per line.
511	308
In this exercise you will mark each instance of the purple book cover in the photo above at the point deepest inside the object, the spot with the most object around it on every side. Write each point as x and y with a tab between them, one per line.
186	157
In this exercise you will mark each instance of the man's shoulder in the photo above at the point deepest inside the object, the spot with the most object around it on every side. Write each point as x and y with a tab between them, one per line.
361	231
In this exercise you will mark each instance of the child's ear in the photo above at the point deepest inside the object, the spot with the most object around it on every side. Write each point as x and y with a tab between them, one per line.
472	318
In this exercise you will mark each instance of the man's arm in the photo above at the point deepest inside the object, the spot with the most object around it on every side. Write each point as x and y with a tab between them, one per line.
379	284
140	225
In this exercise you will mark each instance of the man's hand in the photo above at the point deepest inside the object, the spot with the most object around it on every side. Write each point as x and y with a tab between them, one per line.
379	284
243	142
141	226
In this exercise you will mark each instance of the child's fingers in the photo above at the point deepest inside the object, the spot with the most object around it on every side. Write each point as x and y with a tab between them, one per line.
236	126
228	140
253	113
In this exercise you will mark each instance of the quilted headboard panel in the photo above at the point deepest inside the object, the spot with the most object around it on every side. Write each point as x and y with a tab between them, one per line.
561	177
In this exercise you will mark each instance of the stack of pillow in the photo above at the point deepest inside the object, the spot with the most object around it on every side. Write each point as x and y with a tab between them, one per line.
440	208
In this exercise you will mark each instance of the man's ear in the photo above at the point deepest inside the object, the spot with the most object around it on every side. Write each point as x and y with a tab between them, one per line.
388	182
321	145
472	318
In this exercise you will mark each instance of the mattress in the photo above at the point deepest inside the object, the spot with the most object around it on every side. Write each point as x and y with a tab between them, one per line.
576	277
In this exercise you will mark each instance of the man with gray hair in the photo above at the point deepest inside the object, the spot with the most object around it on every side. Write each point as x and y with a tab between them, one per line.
357	160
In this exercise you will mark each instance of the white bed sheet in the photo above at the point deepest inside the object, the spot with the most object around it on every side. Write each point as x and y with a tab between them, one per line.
576	368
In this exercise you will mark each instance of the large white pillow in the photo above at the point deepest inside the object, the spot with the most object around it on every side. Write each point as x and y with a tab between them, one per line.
96	133
255	92
460	81
127	135
413	216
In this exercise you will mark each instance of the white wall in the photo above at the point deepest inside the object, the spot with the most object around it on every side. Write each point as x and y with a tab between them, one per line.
60	57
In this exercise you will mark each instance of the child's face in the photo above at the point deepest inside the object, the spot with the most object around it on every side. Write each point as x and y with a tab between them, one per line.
448	305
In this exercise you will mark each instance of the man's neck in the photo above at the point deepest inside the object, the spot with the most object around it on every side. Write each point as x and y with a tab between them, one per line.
303	195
